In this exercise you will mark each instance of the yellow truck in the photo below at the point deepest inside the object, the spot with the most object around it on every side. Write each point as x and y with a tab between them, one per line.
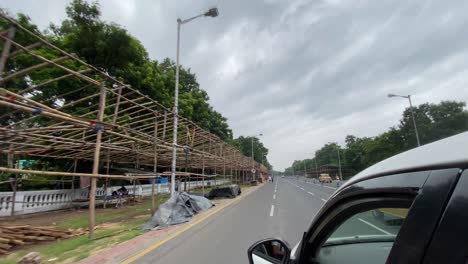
324	177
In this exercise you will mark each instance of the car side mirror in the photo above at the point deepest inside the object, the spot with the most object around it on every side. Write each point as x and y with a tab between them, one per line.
272	250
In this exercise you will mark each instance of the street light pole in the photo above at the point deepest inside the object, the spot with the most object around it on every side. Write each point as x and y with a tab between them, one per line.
339	164
414	120
213	12
412	114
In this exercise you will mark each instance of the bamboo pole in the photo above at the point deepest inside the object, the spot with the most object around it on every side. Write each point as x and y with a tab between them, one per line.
92	195
70	174
107	179
29	47
75	164
32	68
6	49
81	76
203	171
155	164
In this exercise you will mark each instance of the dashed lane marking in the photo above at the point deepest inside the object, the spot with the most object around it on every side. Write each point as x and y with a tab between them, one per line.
375	227
310	193
324	200
272	210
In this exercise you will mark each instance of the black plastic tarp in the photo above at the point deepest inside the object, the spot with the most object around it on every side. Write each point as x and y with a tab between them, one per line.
229	191
178	209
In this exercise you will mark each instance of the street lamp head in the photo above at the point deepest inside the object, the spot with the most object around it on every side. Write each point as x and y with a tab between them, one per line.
213	12
397	95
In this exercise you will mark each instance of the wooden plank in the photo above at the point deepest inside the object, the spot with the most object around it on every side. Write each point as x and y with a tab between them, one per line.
5	246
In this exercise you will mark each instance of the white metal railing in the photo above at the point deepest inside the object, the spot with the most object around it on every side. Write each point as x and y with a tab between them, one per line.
29	202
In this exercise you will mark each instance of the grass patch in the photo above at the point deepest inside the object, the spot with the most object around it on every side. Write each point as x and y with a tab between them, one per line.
112	215
128	222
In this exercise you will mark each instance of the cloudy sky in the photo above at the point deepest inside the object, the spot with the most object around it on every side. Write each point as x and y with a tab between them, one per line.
303	73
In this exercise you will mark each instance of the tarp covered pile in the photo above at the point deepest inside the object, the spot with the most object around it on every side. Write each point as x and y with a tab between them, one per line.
178	209
230	191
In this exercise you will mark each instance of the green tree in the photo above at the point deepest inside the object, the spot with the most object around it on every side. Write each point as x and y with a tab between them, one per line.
259	150
434	121
112	48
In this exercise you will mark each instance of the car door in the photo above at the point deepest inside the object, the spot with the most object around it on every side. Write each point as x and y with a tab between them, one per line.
388	219
450	241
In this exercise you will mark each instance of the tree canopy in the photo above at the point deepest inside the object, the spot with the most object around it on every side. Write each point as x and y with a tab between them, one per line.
260	152
434	122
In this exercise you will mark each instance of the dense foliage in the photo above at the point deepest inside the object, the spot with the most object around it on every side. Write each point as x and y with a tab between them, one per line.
260	152
434	122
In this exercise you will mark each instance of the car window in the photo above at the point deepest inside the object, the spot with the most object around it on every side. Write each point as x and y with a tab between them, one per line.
365	237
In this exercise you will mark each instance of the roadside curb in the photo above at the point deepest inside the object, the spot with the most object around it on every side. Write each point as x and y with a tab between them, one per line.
133	249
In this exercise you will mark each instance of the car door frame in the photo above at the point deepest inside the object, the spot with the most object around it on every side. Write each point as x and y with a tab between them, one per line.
449	242
421	187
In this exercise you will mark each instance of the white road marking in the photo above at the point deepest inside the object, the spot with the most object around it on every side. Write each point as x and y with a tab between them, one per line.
272	210
376	227
324	200
302	189
310	193
330	187
274	196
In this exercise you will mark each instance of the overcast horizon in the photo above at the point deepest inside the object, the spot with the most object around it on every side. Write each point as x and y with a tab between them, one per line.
303	73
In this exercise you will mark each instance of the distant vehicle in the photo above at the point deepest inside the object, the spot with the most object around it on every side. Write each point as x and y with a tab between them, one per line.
410	208
325	178
282	176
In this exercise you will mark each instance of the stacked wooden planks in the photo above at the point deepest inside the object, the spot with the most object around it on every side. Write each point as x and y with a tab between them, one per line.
14	236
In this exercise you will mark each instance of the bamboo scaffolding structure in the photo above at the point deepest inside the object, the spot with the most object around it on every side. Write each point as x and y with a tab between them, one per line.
99	118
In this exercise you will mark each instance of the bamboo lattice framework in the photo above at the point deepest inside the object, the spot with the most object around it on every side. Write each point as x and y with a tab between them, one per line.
135	128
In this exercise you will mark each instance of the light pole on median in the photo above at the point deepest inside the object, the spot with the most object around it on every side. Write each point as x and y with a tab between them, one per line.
412	114
213	12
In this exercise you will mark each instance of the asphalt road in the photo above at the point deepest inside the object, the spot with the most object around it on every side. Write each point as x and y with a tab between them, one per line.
281	209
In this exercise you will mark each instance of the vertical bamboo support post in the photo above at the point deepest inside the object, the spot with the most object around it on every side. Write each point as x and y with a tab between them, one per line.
6	49
107	172
243	176
137	166
203	170
221	152
186	150
97	152
114	120
75	164
11	163
231	173
163	138
155	163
